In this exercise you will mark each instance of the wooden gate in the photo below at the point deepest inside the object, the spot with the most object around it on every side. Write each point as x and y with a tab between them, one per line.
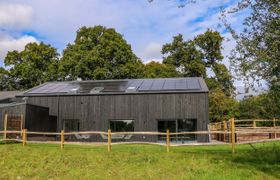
13	123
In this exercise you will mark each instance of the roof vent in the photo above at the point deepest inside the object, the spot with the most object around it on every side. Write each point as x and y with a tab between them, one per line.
96	90
131	89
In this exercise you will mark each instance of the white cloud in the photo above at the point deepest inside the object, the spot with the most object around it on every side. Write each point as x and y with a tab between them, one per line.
146	26
139	21
15	16
8	43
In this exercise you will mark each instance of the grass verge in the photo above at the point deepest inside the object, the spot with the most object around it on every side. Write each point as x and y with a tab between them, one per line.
45	161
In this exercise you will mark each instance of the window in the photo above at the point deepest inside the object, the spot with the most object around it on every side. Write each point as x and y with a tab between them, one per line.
122	125
177	125
71	125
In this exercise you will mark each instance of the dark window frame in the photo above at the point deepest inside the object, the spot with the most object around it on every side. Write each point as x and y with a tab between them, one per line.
178	138
120	137
111	120
72	122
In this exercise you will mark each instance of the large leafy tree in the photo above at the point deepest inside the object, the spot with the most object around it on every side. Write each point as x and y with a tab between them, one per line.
224	78
99	53
222	107
185	56
257	54
193	57
5	80
159	70
259	106
36	64
210	45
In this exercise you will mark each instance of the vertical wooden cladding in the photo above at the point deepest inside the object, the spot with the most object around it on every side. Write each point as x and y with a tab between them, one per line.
37	119
13	110
51	102
95	111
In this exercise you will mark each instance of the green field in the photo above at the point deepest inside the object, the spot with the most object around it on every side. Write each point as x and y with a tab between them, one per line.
44	161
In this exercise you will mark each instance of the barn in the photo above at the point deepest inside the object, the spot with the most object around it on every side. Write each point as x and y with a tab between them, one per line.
139	105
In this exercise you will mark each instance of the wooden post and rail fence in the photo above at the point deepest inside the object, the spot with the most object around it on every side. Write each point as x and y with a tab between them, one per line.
221	128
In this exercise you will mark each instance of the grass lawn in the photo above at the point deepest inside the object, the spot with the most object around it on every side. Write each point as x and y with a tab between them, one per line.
45	161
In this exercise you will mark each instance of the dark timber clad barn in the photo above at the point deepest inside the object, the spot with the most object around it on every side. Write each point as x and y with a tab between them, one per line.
178	104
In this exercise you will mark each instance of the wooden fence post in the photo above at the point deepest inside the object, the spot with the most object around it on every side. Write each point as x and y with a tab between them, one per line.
21	124
62	139
5	126
24	137
232	135
109	140
254	124
224	129
274	125
167	140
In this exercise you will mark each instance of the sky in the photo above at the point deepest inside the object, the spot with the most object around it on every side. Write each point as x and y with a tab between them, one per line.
145	25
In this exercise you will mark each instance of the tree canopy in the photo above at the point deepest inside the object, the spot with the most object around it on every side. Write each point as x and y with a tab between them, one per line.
185	56
257	54
36	64
99	53
5	80
159	70
193	57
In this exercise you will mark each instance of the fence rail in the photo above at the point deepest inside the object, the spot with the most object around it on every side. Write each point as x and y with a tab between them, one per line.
229	129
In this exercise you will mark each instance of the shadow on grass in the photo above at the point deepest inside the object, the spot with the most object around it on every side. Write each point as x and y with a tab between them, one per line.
9	142
262	158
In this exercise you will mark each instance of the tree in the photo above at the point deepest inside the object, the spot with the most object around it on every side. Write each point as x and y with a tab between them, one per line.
5	84
257	54
254	107
36	64
221	107
99	53
210	45
158	70
193	57
185	56
265	105
224	78
272	102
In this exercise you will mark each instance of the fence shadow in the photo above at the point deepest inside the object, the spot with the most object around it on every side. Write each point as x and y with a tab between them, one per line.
262	158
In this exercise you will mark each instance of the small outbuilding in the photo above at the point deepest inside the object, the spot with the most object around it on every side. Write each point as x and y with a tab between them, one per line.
177	104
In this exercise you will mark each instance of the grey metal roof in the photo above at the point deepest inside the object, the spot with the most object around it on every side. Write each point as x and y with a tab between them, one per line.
160	85
8	94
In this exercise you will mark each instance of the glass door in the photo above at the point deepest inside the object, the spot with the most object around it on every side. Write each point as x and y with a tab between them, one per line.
163	125
177	125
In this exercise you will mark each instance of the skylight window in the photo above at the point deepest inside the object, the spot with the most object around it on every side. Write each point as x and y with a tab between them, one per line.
131	89
73	90
96	90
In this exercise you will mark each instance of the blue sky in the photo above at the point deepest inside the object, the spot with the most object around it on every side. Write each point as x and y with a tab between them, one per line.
146	26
